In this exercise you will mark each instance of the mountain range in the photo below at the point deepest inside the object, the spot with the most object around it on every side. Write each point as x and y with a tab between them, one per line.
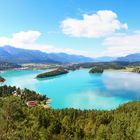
130	58
17	55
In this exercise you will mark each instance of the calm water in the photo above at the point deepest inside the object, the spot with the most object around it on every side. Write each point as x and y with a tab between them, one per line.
79	89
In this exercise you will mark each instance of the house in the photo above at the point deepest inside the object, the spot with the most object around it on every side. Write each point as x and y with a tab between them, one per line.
48	101
31	103
15	93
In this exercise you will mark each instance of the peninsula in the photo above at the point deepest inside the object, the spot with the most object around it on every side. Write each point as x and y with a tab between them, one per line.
2	80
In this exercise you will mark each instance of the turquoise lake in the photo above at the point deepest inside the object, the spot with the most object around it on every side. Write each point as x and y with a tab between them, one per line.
79	89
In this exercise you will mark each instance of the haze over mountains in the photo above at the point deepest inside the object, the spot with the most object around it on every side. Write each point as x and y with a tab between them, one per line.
130	58
16	55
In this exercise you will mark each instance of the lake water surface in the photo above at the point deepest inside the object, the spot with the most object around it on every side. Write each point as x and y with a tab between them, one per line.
79	89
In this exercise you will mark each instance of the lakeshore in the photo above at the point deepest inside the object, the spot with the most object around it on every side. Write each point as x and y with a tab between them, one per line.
81	89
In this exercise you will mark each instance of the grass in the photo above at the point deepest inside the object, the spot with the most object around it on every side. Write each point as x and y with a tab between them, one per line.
127	69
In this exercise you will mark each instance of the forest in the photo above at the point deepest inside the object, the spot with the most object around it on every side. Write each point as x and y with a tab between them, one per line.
20	122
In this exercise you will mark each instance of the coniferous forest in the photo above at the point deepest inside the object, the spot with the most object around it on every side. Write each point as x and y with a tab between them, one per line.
20	122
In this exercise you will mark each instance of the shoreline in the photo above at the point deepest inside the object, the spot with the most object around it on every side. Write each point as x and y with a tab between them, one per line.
120	70
115	70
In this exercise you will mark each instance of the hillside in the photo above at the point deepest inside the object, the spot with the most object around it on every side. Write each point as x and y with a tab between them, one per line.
16	55
130	58
18	121
2	79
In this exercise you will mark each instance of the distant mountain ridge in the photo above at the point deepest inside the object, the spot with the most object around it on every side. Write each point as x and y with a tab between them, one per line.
105	59
17	55
130	58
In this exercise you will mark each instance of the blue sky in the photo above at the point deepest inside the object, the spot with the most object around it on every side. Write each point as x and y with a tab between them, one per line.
59	25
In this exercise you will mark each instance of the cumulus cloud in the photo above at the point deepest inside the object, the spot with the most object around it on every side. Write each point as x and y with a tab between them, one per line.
21	39
100	24
122	44
27	40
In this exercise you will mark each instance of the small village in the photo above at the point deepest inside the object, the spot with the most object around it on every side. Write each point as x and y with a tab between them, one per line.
32	103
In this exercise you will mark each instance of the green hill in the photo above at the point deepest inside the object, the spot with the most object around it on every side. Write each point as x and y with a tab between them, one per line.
18	121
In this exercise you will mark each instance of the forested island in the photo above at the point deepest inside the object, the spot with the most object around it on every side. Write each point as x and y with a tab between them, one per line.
56	72
96	70
18	121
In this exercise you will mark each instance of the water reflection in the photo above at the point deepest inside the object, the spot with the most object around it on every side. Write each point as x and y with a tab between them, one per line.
122	84
93	100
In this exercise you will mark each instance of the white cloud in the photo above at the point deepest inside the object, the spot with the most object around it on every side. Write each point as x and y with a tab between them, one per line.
27	40
100	24
121	45
21	39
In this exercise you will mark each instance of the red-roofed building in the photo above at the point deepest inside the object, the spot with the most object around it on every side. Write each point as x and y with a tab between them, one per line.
31	103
